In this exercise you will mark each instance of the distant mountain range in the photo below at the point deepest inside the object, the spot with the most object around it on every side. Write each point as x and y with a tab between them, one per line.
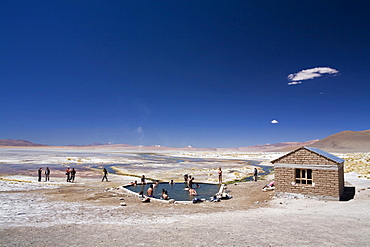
345	141
23	143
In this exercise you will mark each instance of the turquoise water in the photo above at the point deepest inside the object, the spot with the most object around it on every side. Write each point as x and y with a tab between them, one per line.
176	191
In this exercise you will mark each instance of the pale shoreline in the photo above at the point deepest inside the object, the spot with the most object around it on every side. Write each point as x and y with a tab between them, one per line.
89	212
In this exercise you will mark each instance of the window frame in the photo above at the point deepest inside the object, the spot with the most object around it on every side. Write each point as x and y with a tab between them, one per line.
303	176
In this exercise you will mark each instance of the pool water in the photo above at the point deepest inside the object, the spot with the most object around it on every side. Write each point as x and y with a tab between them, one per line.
176	191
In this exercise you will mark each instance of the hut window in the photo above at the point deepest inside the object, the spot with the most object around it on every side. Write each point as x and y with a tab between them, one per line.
303	176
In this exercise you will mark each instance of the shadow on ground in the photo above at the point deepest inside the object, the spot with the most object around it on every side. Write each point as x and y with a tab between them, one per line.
348	193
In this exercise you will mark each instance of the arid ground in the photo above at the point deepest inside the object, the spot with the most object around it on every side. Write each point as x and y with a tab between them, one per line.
89	213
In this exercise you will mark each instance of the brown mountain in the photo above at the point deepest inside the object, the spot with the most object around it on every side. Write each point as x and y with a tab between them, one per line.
277	147
9	142
346	141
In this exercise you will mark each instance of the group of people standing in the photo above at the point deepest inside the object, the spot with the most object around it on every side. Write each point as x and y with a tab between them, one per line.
47	174
70	174
188	179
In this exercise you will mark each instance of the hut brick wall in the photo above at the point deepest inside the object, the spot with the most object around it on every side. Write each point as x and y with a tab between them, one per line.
327	183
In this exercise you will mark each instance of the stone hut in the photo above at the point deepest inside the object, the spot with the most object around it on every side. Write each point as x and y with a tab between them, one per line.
310	172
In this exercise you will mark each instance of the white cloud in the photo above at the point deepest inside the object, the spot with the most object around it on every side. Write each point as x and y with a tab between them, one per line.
274	121
307	74
294	83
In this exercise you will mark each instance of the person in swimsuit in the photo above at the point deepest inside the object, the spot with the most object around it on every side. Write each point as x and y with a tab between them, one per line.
143	179
149	192
192	192
219	175
165	195
190	182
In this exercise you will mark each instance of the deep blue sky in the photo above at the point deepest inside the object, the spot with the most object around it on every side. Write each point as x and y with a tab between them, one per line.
177	73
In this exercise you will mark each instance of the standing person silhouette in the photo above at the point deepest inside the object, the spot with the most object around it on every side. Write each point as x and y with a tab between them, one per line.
39	173
73	174
105	172
190	181
219	175
47	174
255	174
143	181
68	173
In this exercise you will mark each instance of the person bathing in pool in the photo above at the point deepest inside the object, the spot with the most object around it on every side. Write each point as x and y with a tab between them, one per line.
149	192
192	192
165	195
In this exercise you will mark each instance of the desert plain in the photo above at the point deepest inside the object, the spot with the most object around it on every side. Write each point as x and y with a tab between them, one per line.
89	212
